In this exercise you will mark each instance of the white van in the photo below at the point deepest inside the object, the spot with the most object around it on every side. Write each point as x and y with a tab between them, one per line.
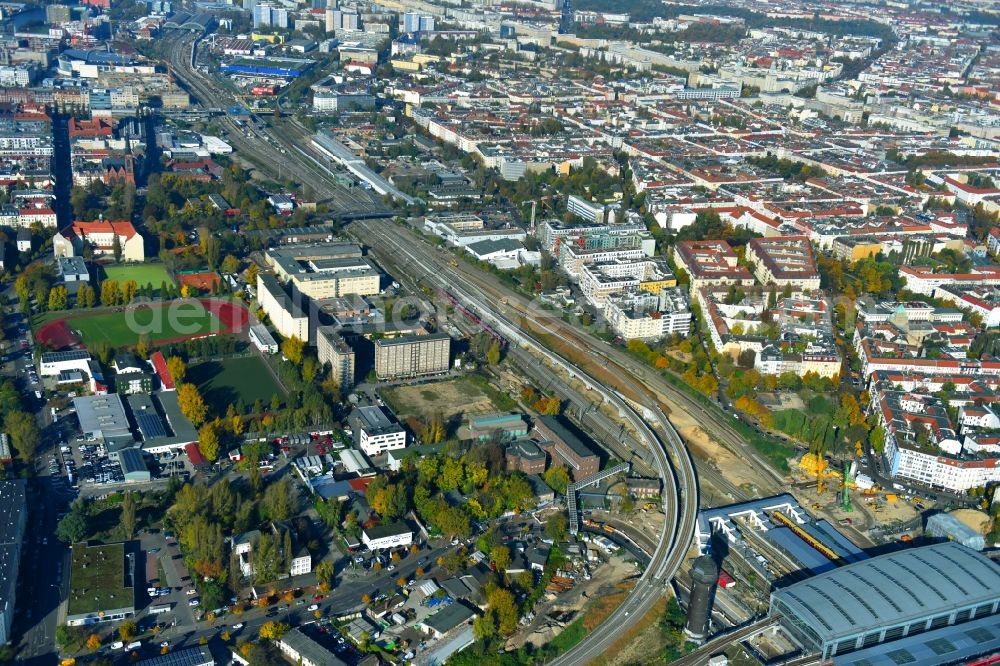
134	645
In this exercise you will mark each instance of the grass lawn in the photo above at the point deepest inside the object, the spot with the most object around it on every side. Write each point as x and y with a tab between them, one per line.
97	579
143	274
122	329
222	383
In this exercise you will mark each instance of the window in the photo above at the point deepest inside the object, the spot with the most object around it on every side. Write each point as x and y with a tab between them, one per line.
843	647
893	634
901	657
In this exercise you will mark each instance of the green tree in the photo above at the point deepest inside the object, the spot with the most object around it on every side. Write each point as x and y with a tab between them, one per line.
500	556
24	433
230	264
493	354
277	501
324	572
555	527
557	478
127	630
74	526
128	518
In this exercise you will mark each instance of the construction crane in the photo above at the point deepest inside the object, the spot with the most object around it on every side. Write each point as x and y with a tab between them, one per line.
845	500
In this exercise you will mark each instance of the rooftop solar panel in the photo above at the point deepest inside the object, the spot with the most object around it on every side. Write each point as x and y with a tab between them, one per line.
151	426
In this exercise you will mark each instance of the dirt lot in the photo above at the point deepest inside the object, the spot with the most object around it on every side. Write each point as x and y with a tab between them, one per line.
604	585
734	468
450	398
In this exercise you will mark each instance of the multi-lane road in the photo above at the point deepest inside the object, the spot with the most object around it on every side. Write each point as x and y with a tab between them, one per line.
680	496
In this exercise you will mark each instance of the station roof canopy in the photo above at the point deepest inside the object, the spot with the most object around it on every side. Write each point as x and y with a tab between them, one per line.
893	589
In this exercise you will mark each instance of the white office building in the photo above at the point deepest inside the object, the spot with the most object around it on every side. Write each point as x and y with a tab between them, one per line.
375	432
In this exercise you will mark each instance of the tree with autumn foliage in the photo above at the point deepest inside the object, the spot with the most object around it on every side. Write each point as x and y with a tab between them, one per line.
292	349
548	406
93	642
273	630
209	441
192	404
177	369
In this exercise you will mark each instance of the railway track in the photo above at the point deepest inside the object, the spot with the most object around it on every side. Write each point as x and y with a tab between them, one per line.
676	470
285	158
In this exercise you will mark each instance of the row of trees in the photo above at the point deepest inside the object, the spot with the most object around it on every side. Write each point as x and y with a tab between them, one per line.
421	485
19	424
204	516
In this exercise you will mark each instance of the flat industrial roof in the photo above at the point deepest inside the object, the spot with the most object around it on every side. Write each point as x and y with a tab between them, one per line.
893	589
104	414
310	650
13	504
567	436
198	655
952	645
375	421
97	580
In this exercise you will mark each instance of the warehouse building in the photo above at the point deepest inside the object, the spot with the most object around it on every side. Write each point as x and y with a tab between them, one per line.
888	598
199	655
103	417
13	518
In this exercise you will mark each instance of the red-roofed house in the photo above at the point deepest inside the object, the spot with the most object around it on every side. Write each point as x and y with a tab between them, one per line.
101	237
90	128
160	366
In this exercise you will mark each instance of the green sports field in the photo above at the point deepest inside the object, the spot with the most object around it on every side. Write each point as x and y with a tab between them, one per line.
222	383
143	274
180	319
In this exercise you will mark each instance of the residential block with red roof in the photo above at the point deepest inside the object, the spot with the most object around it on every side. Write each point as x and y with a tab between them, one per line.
100	235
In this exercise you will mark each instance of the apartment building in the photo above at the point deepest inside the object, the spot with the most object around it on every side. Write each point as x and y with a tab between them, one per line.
599	281
333	349
287	317
921	444
646	316
573	258
412	356
710	263
785	260
592	212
